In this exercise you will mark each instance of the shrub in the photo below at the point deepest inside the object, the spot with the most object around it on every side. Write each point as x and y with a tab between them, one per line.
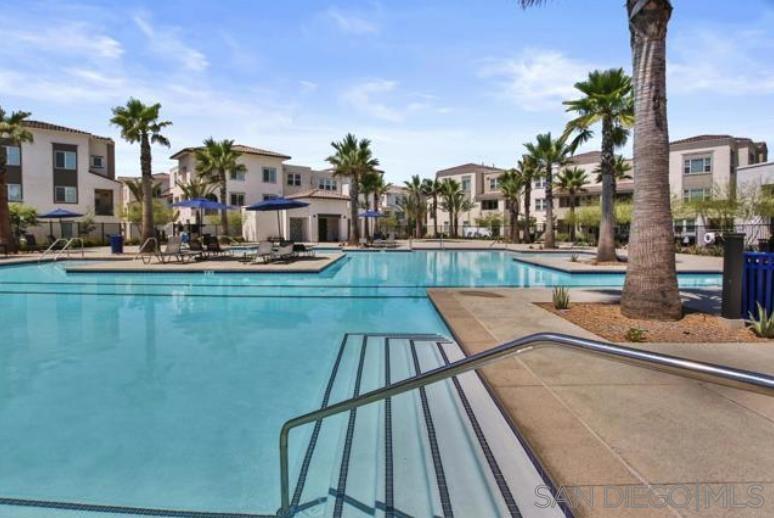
561	297
635	334
574	258
763	325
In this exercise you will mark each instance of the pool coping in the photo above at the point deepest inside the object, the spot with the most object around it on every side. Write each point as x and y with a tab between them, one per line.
586	269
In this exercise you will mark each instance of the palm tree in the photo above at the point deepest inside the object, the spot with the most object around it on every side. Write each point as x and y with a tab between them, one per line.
511	185
213	162
416	199
650	290
548	153
607	99
621	170
353	159
530	173
135	187
453	201
380	188
572	181
368	186
140	123
432	189
196	187
13	132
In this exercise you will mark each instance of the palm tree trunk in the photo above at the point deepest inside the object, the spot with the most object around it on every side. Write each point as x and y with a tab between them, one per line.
435	215
548	241
513	208
376	209
527	205
606	243
650	290
572	216
223	214
147	189
6	235
354	198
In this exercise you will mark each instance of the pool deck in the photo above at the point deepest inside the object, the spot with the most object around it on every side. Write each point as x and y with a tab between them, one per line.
225	264
685	263
598	425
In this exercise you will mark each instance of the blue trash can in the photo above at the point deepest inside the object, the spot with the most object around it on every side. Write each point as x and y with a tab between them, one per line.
117	244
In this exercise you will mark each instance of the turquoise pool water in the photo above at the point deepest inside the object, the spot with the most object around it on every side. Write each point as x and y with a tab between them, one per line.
168	390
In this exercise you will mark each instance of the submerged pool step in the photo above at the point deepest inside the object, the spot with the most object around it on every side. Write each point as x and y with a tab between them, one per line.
441	450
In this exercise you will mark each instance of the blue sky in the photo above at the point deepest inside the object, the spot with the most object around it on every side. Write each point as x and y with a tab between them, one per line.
432	83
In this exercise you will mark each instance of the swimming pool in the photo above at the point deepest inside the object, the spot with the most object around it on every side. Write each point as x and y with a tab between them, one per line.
168	390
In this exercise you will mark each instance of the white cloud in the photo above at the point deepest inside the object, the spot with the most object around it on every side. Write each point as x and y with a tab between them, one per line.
308	86
724	62
536	80
362	97
167	43
350	22
67	38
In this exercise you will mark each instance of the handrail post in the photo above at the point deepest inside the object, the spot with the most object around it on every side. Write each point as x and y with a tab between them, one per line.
284	472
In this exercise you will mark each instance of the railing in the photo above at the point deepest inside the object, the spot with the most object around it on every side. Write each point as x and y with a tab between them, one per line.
758	283
145	243
52	249
708	372
68	247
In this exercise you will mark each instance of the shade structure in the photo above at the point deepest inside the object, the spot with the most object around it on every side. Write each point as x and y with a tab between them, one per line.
202	204
277	204
59	214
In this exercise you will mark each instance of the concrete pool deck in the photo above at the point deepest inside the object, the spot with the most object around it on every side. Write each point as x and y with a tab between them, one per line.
685	263
598	425
224	264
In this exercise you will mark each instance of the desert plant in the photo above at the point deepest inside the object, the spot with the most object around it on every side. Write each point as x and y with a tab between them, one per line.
635	334
763	324
561	297
574	258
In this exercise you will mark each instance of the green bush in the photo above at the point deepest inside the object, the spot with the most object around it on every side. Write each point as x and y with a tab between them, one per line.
635	334
561	297
763	324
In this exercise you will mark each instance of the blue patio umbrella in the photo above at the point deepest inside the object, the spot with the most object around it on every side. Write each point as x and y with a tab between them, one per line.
371	214
277	204
59	214
202	204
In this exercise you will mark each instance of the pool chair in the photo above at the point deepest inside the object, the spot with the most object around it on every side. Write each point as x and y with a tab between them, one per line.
172	251
301	249
283	253
390	242
264	253
364	242
212	246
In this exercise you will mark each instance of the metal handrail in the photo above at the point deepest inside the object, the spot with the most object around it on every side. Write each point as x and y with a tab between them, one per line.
51	247
66	248
708	372
150	239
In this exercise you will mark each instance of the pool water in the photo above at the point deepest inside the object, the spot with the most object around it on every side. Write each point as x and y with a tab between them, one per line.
169	390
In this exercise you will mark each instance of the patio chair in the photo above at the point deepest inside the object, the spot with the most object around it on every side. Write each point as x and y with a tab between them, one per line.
195	250
364	242
302	249
283	252
264	252
390	241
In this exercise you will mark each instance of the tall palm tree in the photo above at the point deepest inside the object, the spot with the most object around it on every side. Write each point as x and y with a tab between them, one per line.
548	153
650	290
369	183
196	187
380	188
529	172
135	187
511	185
452	201
140	123
607	99
432	190
353	159
213	162
572	181
416	198
13	132
621	169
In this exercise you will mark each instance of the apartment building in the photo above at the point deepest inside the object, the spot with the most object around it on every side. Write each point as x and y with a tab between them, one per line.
481	185
161	190
65	168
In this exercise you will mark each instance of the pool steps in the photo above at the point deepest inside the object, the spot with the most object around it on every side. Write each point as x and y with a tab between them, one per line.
444	450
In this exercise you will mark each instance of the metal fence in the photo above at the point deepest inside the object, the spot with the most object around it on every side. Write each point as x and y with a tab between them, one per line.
757	283
756	234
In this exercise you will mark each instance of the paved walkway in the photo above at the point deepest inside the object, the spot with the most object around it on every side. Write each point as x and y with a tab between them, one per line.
602	426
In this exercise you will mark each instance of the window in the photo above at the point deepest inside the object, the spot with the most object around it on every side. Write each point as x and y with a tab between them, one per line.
494	183
327	184
540	204
65	194
97	161
237	199
697	194
540	183
238	176
269	197
489	204
269	175
294	179
466	183
697	165
13	155
64	159
103	202
14	192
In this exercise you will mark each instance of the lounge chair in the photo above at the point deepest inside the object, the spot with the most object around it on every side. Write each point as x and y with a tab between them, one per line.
364	242
212	246
264	253
283	252
172	251
302	249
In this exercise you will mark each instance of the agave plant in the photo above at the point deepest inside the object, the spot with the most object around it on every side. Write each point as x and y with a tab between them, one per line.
763	324
561	297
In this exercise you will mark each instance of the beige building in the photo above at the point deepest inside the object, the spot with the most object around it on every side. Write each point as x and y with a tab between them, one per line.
69	169
481	185
161	180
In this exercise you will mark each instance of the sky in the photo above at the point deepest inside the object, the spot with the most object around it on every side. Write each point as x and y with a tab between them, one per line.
432	83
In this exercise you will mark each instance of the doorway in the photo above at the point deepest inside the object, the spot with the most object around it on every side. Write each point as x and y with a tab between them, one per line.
328	228
298	229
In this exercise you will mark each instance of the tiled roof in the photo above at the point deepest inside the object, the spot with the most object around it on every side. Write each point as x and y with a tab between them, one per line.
468	168
589	157
699	138
56	127
249	150
319	194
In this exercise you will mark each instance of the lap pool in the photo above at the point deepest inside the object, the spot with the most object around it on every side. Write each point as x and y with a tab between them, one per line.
168	390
